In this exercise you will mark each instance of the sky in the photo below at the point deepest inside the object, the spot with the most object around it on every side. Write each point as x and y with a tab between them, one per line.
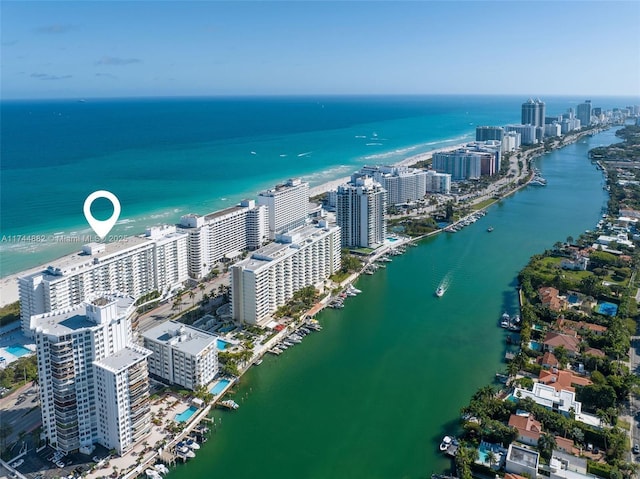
91	49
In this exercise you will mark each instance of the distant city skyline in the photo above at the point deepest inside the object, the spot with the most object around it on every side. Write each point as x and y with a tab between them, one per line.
70	49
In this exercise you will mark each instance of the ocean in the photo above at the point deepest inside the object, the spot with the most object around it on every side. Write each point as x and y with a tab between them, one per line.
165	157
372	395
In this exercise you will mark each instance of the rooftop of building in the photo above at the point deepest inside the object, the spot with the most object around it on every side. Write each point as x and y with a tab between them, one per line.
74	319
94	253
288	244
284	187
123	359
523	456
181	337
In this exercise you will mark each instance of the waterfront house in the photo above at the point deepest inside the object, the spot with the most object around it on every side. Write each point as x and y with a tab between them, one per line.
550	297
560	379
579	263
560	401
571	343
529	430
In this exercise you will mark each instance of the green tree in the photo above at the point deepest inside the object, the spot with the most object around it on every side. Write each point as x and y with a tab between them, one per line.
546	445
491	458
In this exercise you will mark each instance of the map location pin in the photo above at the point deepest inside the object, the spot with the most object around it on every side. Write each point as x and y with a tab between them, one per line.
101	227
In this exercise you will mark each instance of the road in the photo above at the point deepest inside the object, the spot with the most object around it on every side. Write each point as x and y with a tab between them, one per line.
633	414
166	311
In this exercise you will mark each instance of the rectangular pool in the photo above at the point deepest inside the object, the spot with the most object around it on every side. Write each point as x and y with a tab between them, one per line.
217	389
184	416
610	309
17	350
221	344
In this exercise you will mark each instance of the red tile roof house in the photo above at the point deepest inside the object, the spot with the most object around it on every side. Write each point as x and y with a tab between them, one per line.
561	379
529	430
549	298
553	340
548	361
594	352
566	445
570	327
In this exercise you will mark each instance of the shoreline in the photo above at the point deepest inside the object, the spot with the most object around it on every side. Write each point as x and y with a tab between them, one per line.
9	284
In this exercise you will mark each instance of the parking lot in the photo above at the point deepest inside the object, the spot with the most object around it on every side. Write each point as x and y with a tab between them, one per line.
41	465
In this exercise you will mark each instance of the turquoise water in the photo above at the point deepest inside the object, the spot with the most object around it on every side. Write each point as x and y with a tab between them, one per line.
374	392
217	389
535	346
610	309
221	344
185	415
17	350
167	157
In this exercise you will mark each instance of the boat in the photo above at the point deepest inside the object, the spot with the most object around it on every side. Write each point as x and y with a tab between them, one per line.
258	362
229	403
161	468
505	321
191	444
153	474
446	442
440	291
490	229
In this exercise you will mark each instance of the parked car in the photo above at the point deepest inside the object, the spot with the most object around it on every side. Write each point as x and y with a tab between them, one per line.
636	449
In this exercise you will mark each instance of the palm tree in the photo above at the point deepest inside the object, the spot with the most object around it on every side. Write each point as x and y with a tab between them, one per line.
546	445
491	458
192	295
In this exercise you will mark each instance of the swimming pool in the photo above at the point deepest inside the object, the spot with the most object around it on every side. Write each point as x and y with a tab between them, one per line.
17	350
184	416
392	240
610	309
217	389
573	299
535	346
221	344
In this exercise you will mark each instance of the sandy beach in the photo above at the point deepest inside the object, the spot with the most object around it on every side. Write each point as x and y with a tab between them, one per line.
410	160
9	284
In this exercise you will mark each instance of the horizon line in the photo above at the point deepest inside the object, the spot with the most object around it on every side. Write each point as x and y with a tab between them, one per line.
321	95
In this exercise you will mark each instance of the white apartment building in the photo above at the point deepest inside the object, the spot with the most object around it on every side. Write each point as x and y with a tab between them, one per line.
268	279
222	234
287	206
137	265
553	129
510	141
403	184
182	355
361	213
460	164
438	182
93	380
527	133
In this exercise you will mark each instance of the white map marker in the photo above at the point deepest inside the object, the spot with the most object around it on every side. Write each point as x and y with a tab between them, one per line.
100	227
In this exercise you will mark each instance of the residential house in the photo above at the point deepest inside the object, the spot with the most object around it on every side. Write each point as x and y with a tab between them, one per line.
572	327
550	297
570	343
529	430
522	461
560	379
548	361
